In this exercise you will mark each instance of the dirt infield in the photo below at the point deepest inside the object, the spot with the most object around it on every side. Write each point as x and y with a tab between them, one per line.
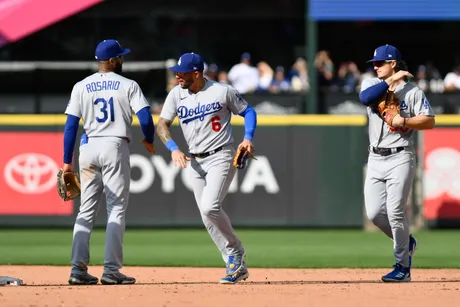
47	286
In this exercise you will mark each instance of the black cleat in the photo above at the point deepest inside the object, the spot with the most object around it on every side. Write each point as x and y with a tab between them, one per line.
117	279
83	279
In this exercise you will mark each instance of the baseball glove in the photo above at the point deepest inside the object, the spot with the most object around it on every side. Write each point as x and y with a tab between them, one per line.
68	185
241	157
388	107
150	147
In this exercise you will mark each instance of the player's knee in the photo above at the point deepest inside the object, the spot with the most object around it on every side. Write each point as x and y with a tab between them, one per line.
396	215
85	221
373	215
86	215
210	209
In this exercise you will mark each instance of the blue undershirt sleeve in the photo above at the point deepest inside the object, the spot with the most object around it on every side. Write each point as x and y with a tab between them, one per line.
372	93
250	122
147	126
70	137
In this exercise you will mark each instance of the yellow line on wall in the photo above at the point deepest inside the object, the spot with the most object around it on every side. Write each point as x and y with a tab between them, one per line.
263	120
32	120
445	120
305	120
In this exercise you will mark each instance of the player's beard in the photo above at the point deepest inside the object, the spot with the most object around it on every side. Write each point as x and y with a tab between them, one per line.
118	68
186	85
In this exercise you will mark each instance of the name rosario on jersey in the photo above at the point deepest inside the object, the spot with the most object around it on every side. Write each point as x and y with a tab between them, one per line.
102	86
199	112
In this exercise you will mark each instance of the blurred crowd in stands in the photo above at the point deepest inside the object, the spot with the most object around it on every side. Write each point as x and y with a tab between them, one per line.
248	77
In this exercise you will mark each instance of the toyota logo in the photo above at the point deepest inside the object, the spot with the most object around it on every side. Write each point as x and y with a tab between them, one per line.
31	173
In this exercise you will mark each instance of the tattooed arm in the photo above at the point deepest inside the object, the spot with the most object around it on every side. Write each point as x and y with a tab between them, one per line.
167	115
163	130
178	157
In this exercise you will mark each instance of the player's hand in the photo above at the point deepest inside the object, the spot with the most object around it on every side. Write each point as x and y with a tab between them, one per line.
150	147
401	74
67	168
180	159
248	145
398	121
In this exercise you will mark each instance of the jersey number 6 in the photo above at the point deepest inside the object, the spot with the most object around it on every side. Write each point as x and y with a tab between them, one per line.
103	109
216	125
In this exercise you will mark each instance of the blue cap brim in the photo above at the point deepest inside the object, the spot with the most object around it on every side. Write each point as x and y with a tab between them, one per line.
375	60
125	51
177	68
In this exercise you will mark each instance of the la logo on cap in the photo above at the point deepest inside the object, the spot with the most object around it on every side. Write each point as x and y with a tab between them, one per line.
180	59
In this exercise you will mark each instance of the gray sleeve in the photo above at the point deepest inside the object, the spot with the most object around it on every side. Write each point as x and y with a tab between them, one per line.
369	82
137	99
169	110
74	105
421	104
235	102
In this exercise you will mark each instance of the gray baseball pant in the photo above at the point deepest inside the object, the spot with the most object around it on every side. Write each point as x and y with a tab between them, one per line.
212	177
104	167
386	190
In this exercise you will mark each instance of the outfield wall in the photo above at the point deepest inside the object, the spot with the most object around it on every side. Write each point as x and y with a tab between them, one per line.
309	173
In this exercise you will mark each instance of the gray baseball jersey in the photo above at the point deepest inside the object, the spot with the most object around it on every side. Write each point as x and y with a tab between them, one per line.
389	178
105	101
205	121
413	102
205	116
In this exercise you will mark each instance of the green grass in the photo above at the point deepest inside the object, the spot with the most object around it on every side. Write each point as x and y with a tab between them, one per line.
265	248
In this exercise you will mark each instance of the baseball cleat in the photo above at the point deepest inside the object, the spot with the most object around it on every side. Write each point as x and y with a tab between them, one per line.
412	249
117	279
82	279
399	274
235	263
243	274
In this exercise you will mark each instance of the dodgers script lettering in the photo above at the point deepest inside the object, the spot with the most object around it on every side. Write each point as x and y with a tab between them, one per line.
199	112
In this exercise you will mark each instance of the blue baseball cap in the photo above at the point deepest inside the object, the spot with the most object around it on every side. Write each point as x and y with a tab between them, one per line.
109	48
188	62
246	56
386	52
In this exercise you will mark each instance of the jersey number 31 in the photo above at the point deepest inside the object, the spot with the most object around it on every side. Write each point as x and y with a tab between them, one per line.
102	102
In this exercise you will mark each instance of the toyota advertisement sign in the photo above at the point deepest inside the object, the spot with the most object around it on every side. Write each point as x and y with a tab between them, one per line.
29	163
289	186
161	193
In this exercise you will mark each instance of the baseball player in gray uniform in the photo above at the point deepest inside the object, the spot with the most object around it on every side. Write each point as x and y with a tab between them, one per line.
204	109
104	101
391	162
